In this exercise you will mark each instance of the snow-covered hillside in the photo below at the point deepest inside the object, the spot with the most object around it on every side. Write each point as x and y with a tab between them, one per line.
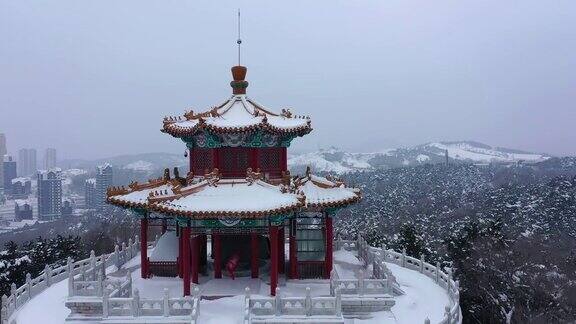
338	161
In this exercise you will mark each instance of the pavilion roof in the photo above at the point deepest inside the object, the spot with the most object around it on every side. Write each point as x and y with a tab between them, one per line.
237	114
321	192
210	196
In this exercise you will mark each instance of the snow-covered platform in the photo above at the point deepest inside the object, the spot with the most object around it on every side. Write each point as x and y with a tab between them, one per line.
423	293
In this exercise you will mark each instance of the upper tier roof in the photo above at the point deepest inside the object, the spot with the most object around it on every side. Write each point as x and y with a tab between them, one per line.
210	196
237	114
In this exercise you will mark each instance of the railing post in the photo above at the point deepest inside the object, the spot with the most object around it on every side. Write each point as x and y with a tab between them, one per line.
421	263
29	285
47	275
129	279
136	303
117	256
130	247
338	303
447	314
278	302
403	260
166	302
4	312
14	297
308	302
93	264
105	297
437	271
332	283
361	283
99	285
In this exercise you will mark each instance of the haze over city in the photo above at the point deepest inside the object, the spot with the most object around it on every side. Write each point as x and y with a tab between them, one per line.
94	78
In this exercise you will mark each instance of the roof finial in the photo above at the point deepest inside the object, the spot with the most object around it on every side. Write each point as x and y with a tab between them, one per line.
239	41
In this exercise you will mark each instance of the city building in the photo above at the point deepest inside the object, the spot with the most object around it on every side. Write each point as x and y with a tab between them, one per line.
9	173
27	162
22	210
20	188
67	208
50	158
90	193
3	151
103	182
49	194
239	192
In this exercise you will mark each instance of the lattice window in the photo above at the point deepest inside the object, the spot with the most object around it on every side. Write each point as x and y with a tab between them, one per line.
269	159
233	161
202	160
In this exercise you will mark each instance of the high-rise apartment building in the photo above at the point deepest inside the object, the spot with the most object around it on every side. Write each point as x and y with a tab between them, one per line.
49	194
103	182
9	173
27	162
3	151
90	193
50	158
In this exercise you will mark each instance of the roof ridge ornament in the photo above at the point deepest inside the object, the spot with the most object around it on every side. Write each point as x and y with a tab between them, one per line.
239	85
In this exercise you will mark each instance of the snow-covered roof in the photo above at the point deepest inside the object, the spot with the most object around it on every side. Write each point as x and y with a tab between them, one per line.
237	114
229	197
321	192
211	196
21	180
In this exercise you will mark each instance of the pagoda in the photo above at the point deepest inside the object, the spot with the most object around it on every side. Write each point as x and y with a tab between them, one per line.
238	198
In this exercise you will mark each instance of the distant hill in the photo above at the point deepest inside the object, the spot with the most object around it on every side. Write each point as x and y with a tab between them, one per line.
338	161
145	162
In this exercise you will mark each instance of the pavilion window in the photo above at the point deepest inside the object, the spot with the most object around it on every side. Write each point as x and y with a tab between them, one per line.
201	160
270	161
310	240
233	161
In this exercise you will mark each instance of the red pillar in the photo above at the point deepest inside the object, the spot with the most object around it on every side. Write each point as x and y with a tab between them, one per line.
180	252
144	247
329	245
217	255
273	259
281	250
293	250
186	259
254	253
164	226
195	257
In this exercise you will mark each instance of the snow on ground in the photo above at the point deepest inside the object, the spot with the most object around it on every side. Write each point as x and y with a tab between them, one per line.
46	308
423	297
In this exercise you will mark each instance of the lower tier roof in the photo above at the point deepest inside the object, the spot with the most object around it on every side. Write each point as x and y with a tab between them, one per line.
251	197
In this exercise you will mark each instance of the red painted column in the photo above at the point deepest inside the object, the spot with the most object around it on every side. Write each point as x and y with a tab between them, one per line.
186	259
180	252
164	226
329	245
273	259
195	256
217	255
284	158
281	250
144	246
254	253
293	251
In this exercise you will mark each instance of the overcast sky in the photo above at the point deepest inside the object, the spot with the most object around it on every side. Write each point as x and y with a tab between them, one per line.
95	78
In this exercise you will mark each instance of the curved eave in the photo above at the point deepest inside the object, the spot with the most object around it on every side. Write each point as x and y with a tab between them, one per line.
334	204
213	214
178	131
125	204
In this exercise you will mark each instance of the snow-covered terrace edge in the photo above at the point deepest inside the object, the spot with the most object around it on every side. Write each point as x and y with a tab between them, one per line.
19	296
373	255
